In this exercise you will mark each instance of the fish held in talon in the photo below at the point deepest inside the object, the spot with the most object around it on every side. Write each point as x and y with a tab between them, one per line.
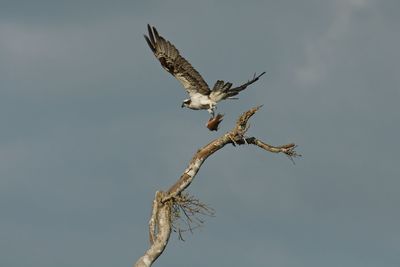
214	122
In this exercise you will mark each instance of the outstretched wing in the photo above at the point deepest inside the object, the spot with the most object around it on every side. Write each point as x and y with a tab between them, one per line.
222	90
175	64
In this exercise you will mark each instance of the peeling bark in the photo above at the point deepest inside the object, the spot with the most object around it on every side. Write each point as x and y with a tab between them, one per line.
160	230
160	221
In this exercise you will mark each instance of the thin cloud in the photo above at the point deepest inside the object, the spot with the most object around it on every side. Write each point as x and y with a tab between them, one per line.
321	52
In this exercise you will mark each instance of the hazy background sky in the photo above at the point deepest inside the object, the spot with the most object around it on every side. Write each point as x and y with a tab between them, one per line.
91	127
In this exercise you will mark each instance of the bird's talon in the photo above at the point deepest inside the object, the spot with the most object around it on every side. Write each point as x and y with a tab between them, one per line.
244	139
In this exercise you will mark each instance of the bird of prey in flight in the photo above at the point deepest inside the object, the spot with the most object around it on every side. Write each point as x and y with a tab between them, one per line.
201	97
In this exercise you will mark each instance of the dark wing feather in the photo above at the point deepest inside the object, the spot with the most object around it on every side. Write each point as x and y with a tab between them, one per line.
222	90
175	64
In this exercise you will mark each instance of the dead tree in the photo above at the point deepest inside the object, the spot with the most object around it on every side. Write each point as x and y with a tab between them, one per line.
175	204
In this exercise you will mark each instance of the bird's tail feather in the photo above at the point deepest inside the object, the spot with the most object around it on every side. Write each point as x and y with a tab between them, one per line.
222	90
236	90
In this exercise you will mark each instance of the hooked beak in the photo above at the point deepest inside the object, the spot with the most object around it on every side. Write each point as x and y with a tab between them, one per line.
183	104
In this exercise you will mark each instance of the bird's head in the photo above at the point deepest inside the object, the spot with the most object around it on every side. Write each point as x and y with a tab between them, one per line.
186	103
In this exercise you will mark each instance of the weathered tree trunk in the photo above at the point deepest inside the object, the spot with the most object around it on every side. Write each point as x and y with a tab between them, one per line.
160	223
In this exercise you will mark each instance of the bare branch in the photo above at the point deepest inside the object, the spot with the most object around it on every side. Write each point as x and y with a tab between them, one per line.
173	205
161	215
190	211
153	218
236	134
288	149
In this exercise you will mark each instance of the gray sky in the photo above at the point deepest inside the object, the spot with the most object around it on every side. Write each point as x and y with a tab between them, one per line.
92	127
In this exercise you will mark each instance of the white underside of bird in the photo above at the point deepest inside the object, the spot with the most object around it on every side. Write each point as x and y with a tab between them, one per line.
198	101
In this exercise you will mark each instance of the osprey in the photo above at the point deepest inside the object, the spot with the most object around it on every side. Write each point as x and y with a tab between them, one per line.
201	97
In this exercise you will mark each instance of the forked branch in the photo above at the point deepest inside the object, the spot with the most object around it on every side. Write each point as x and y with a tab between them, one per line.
166	204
